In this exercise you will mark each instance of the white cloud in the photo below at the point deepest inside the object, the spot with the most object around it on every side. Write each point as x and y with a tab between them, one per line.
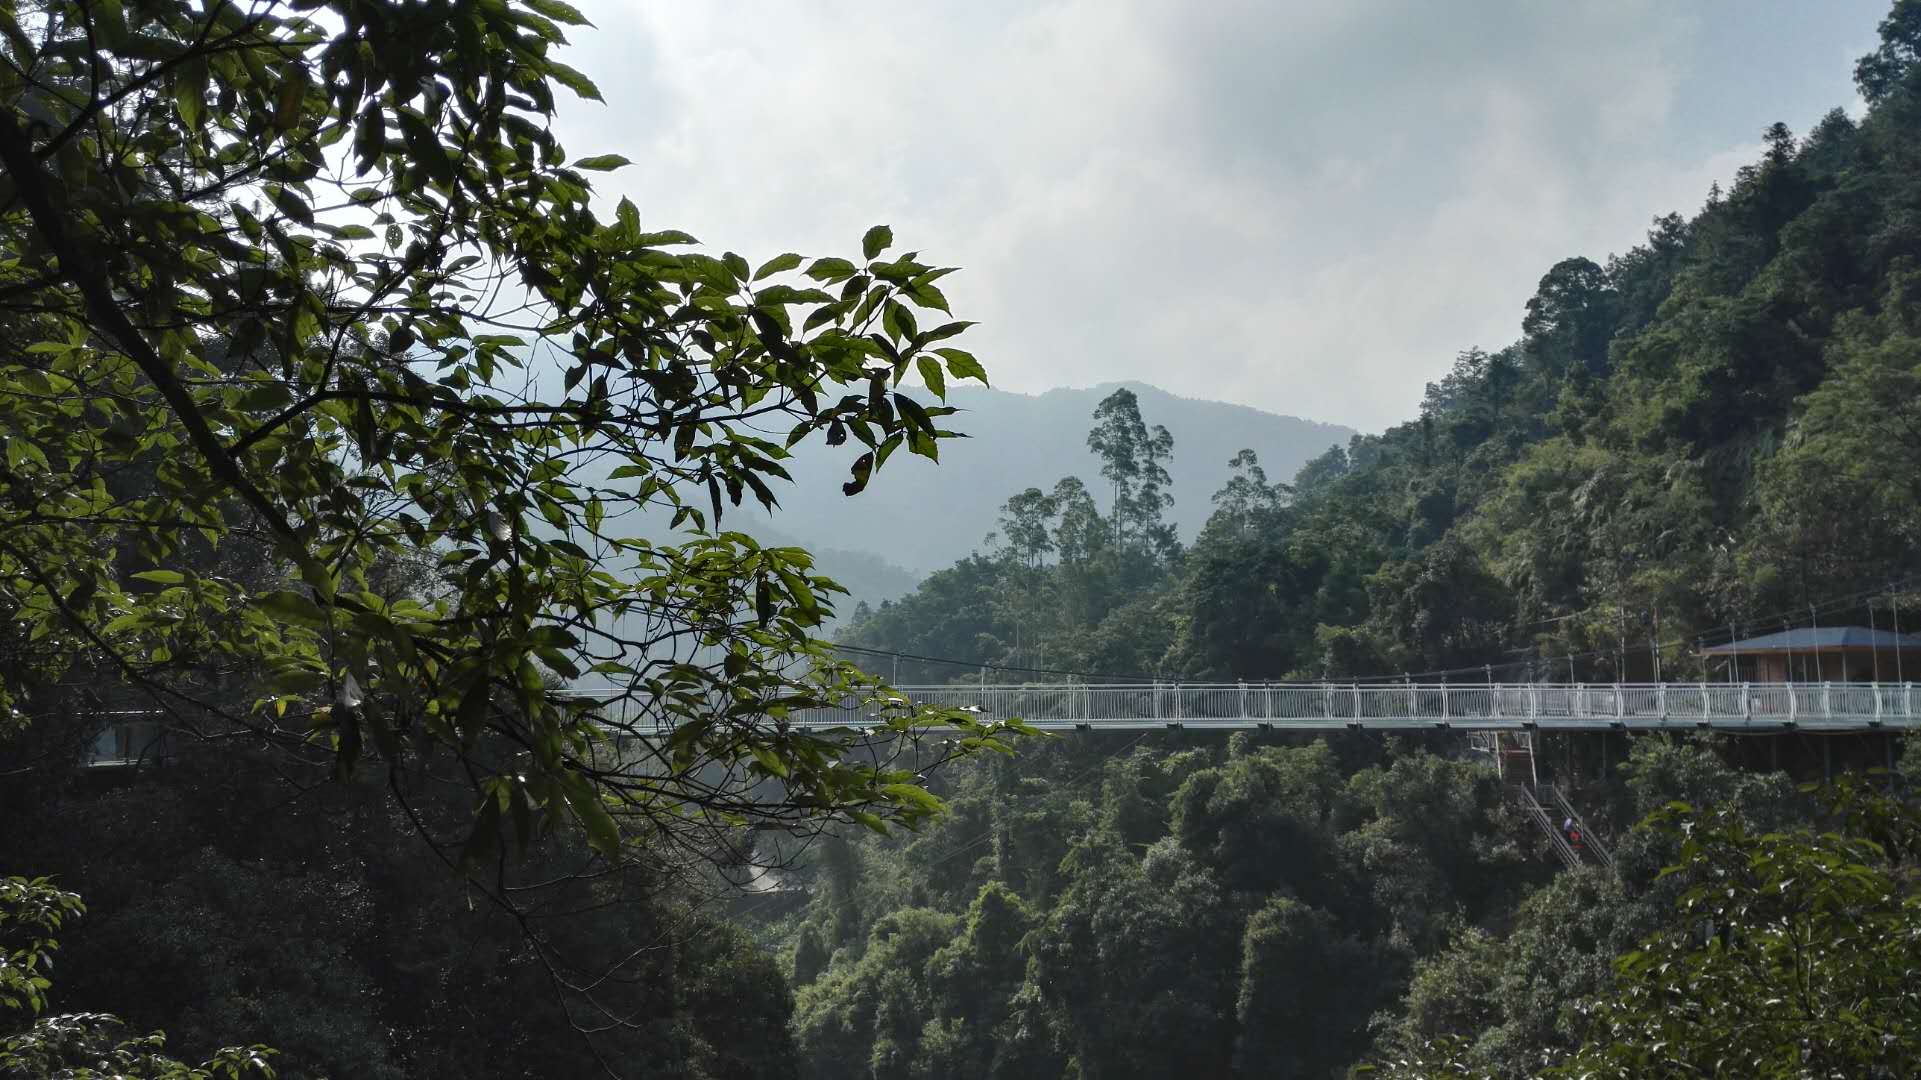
1307	207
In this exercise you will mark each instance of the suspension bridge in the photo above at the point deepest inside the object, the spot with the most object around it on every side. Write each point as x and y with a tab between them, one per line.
1755	707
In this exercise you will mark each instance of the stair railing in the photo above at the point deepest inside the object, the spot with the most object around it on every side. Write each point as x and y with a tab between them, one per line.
1535	811
1589	839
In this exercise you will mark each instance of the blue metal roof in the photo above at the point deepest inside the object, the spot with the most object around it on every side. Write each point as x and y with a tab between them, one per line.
1809	639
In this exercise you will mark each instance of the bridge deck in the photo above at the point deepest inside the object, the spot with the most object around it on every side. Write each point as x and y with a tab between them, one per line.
1501	706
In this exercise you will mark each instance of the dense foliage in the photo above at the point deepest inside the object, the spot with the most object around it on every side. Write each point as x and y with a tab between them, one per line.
294	294
330	399
225	904
1290	910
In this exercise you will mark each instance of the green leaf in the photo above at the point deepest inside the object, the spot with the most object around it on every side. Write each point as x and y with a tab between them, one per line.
832	270
190	93
602	834
926	296
559	12
161	577
787	294
292	607
769	760
962	365
930	374
602	163
777	265
878	239
574	80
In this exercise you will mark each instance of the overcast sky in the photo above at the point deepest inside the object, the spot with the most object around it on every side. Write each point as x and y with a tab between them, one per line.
1308	207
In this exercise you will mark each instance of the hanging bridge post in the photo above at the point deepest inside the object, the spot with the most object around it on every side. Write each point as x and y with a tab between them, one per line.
1894	611
1874	646
1243	687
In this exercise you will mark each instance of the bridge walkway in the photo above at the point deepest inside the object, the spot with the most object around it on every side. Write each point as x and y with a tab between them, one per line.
1757	707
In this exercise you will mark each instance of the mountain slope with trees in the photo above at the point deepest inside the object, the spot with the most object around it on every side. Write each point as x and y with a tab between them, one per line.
1709	436
1697	438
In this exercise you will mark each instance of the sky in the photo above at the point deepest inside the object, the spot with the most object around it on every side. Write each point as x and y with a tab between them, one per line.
1306	206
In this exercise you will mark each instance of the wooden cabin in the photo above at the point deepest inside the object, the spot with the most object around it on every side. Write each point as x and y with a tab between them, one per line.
1825	654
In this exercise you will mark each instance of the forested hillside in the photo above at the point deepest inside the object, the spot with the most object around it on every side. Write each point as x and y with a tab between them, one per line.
1701	436
1714	434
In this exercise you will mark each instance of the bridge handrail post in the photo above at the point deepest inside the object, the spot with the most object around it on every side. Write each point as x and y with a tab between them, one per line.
1444	710
1243	687
1827	700
1661	700
1620	707
1177	699
1793	702
1534	702
1747	705
1357	701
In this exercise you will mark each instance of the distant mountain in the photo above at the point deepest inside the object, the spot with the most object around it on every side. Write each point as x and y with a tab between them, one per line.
924	516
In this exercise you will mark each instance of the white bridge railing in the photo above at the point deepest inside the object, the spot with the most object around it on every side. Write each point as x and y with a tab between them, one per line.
1832	706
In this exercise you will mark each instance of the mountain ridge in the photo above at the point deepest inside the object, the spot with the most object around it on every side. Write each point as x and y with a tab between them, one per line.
1017	441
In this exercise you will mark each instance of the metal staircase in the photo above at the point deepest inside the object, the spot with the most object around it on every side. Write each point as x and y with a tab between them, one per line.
1530	806
1512	754
1557	801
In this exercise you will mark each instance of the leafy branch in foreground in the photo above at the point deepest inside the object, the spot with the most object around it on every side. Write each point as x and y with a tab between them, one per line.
295	293
78	1045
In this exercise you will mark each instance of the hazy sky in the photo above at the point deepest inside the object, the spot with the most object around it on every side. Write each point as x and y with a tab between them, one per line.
1309	207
